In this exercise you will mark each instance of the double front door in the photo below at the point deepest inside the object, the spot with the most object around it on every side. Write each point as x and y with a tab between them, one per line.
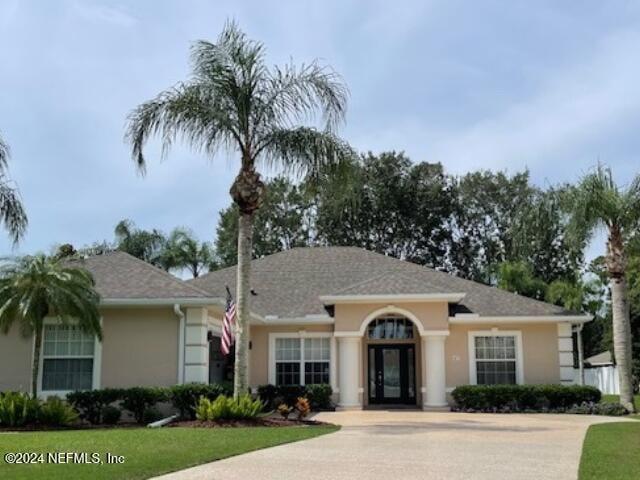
392	378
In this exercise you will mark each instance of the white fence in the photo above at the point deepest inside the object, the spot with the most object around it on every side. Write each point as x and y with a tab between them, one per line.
604	378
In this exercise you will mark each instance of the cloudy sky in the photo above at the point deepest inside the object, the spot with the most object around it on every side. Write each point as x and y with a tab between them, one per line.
549	86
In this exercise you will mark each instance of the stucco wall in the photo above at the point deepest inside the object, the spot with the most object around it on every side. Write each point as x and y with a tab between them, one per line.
539	350
433	316
259	354
15	361
140	347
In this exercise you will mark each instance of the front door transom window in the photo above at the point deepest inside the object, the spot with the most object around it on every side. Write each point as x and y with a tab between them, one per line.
390	327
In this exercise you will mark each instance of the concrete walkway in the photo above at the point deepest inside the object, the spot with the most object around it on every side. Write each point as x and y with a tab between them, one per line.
398	445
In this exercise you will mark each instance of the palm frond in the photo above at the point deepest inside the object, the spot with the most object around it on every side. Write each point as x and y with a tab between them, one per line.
4	155
12	212
306	151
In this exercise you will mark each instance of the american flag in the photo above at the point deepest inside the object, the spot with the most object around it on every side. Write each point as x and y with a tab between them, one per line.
228	324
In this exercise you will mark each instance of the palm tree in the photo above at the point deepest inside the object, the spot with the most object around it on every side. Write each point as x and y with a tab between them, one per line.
12	213
143	244
32	288
183	250
598	202
235	101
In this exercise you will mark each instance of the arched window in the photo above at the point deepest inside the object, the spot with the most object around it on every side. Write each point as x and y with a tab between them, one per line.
390	327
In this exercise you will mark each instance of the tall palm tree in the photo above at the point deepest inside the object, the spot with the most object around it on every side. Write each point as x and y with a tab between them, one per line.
143	244
32	288
597	202
183	250
12	212
235	101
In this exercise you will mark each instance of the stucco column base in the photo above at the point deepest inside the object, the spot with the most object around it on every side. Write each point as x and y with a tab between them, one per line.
442	408
348	408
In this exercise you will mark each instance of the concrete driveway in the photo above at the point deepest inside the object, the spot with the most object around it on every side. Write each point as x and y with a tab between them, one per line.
398	445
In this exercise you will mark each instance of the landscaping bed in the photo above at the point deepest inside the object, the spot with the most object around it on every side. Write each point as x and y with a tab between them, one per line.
256	422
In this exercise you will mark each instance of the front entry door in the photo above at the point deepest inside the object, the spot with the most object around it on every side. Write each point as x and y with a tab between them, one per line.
392	374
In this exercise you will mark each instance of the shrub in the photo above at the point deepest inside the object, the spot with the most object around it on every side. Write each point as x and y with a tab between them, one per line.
137	399
226	408
55	412
612	409
185	397
285	410
517	398
18	409
110	415
150	415
268	394
302	407
91	403
319	397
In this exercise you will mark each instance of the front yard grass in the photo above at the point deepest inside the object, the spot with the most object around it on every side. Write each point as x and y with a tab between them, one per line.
147	452
611	451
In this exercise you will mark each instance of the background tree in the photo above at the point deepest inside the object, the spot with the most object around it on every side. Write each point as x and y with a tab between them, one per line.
401	210
281	223
518	277
234	100
12	212
182	250
599	203
143	244
32	288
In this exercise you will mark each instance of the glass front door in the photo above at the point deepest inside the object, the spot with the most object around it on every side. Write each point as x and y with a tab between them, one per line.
391	374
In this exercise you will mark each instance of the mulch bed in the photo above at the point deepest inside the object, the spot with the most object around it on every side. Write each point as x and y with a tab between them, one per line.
83	426
258	422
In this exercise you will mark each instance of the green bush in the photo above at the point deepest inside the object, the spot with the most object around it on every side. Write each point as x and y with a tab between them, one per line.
91	403
611	409
319	397
55	412
111	415
518	398
150	415
18	409
137	399
226	408
185	397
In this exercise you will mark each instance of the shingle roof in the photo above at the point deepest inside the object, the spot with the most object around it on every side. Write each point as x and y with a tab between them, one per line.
119	275
288	284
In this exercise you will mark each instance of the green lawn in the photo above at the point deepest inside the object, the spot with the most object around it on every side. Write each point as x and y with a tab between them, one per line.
611	451
148	452
616	398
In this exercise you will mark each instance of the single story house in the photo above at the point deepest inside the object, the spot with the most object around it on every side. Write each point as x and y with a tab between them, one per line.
377	329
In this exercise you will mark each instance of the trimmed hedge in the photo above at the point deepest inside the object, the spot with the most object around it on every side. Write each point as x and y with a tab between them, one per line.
91	403
519	398
319	396
184	398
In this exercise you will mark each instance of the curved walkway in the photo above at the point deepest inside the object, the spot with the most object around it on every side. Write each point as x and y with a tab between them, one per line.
398	445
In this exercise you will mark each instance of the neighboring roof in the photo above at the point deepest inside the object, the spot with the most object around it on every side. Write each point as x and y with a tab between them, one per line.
289	284
119	275
602	358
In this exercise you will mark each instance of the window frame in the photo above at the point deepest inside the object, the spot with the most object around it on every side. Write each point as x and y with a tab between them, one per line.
517	334
302	336
97	361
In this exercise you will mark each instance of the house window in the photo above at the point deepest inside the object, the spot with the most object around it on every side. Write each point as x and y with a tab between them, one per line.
302	361
496	359
67	358
390	328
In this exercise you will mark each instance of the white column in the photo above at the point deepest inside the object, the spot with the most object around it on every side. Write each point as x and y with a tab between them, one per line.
349	372
196	352
333	366
434	367
565	354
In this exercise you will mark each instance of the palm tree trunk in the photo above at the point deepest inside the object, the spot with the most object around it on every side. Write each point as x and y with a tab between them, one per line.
622	339
245	230
36	361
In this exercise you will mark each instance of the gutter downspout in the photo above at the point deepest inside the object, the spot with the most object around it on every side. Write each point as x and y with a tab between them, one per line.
578	330
181	346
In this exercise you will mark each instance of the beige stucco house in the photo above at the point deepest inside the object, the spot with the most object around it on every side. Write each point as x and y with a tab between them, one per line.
377	329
